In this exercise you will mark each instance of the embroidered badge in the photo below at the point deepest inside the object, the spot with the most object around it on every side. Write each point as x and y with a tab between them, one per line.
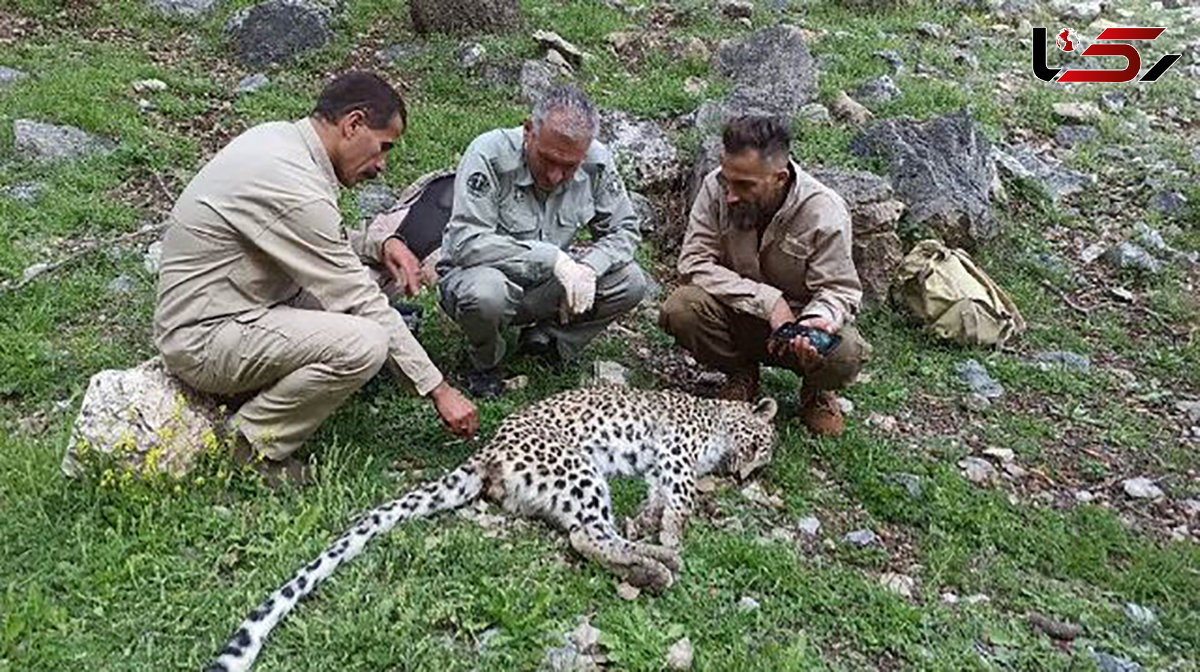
478	184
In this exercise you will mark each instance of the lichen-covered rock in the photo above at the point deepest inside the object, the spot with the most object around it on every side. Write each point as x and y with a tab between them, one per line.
647	159
145	420
874	215
277	31
50	143
462	17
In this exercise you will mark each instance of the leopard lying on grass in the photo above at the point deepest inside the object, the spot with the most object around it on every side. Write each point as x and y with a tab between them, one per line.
551	461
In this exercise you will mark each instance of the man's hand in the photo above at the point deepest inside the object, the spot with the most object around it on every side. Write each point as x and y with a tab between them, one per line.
403	265
781	314
459	414
578	282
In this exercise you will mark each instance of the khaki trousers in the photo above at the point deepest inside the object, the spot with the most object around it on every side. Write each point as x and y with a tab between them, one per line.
301	365
736	342
483	301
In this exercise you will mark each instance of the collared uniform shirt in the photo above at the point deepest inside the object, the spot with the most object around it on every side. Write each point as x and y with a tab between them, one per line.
804	253
258	224
499	221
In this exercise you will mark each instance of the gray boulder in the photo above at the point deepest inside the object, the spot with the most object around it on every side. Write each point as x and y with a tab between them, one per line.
277	31
874	214
879	90
50	143
24	192
463	17
182	9
538	77
942	169
647	159
771	72
1026	164
251	83
1127	255
144	419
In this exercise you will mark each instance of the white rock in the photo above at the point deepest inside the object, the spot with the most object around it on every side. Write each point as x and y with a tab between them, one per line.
949	598
679	656
900	584
1092	252
1002	454
748	604
149	85
846	405
972	600
1139	615
977	470
1141	488
1191	507
627	591
153	258
809	525
1082	112
1189	408
755	493
610	373
861	538
1015	470
886	423
585	636
1083	496
34	271
144	418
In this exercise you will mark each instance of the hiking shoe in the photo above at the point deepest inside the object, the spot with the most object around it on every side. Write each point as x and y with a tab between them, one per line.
291	470
534	342
820	412
740	386
484	383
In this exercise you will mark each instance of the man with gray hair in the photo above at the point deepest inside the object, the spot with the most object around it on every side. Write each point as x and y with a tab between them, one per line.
520	196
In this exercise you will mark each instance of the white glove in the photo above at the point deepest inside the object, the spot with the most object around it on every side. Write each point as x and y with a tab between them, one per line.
578	282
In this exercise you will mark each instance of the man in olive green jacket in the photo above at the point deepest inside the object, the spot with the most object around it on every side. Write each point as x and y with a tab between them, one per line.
260	291
520	196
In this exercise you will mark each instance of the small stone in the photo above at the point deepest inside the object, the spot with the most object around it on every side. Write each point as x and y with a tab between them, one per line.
910	482
972	600
879	90
1141	488
977	470
1121	294
1113	101
1084	497
10	76
694	85
551	40
1069	360
706	484
1140	616
1191	507
1168	202
814	112
1092	252
183	9
1015	470
554	57
966	58
605	372
845	108
737	9
626	591
34	271
755	493
886	423
861	538
252	83
122	284
585	636
153	258
1002	454
50	143
900	584
745	22
1081	112
149	86
975	402
679	656
222	511
949	598
1150	238
846	406
892	58
469	55
1127	255
748	604
516	383
1075	134
809	525
1108	663
978	380
930	30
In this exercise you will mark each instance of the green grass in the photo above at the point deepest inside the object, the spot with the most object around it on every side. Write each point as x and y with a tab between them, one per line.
155	575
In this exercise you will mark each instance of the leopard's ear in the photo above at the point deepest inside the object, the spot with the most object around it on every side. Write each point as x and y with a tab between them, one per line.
766	409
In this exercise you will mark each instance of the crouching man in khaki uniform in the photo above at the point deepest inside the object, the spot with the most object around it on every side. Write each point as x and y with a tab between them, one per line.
766	243
520	196
260	291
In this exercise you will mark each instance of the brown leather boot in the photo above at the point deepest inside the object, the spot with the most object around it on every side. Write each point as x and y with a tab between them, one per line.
820	412
740	386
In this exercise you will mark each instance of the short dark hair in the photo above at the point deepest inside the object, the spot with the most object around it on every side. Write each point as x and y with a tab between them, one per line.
769	135
363	91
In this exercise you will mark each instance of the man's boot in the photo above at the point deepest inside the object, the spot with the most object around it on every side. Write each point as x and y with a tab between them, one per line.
535	343
484	383
820	412
290	469
740	386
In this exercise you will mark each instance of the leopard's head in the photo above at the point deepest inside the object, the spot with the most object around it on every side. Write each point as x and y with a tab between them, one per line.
752	436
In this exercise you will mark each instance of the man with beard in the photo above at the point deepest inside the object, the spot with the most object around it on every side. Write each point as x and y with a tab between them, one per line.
767	245
262	295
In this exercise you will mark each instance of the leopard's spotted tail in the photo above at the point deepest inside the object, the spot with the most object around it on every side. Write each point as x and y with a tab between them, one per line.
450	492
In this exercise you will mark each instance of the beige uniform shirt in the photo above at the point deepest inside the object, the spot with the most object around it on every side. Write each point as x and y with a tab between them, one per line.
804	253
259	223
499	220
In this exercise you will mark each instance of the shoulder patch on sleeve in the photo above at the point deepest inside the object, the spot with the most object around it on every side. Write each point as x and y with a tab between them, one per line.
478	184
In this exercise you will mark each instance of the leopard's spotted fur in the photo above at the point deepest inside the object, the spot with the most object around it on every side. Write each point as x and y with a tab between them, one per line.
550	461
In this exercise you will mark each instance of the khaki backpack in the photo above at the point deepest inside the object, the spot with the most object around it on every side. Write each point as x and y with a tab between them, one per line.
956	300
